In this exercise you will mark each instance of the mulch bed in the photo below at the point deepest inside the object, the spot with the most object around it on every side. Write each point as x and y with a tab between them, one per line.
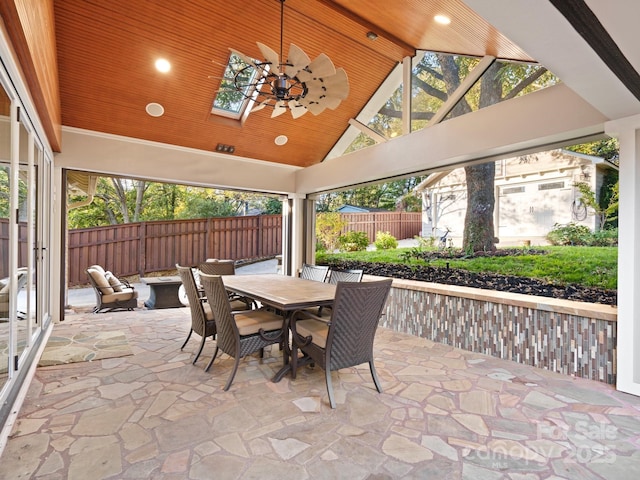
488	281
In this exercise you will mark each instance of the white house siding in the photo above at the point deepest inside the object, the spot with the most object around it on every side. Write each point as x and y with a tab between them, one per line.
533	193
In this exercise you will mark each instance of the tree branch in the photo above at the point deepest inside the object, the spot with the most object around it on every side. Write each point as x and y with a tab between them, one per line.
524	84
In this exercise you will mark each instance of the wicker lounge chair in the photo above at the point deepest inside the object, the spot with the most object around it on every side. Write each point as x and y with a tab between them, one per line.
239	333
346	339
111	292
5	292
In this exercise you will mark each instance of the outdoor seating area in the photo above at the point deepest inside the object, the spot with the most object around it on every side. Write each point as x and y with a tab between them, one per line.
111	292
443	412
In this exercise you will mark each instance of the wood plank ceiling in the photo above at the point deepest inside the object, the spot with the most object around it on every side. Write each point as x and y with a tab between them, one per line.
106	54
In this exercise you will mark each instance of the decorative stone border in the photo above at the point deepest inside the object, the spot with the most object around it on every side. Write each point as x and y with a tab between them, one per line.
563	336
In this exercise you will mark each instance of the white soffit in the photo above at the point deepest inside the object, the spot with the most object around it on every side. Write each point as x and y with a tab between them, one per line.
128	157
543	32
549	118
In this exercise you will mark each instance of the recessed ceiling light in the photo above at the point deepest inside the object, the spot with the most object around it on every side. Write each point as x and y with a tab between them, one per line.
372	35
442	19
155	109
281	140
163	65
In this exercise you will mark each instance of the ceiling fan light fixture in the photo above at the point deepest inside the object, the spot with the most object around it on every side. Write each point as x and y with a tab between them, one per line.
285	83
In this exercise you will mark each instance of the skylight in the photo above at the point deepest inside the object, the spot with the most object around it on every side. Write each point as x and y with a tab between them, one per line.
230	102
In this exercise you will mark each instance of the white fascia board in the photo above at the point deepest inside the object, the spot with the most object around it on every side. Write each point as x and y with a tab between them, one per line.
549	118
128	157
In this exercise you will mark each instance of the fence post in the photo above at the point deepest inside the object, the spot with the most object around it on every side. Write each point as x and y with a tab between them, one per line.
142	236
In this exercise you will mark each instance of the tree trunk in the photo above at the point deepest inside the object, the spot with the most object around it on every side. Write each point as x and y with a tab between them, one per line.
478	223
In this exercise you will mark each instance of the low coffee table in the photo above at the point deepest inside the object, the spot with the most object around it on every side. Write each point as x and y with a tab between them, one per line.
163	292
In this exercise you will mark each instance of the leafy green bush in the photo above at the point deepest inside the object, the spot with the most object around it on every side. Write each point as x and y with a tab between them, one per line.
569	234
385	241
353	242
605	238
573	234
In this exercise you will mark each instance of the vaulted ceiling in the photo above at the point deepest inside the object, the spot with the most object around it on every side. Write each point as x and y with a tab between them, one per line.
106	54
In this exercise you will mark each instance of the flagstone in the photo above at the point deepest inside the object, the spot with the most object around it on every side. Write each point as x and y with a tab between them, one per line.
441	416
403	449
475	423
478	401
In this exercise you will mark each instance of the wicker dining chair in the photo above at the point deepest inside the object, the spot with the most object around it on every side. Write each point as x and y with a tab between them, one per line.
202	321
239	333
335	276
218	267
346	339
226	267
314	272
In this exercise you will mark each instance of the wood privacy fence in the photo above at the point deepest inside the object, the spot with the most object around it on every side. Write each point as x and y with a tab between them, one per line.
142	248
399	224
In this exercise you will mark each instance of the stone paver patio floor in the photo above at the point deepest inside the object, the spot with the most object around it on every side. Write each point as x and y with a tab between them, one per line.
445	413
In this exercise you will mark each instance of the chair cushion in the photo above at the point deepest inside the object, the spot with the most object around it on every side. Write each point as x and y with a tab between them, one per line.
4	287
126	294
101	281
113	281
207	310
239	305
98	268
252	321
314	328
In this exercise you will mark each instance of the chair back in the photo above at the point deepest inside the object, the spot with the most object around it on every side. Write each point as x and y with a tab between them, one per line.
218	267
317	273
356	312
198	317
336	276
228	337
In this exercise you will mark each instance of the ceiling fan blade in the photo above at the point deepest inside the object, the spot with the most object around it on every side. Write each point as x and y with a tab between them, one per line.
271	57
297	109
296	60
322	66
279	109
260	106
331	102
316	108
337	85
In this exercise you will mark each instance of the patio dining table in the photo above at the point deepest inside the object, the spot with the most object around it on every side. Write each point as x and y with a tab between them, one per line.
283	293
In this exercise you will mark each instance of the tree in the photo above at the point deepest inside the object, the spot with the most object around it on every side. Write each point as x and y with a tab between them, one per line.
606	207
436	77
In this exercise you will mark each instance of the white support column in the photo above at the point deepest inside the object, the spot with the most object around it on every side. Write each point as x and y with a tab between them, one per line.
407	67
627	131
297	245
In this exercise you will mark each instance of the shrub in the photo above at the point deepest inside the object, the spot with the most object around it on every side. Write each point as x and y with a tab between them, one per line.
385	241
605	238
328	227
353	242
569	234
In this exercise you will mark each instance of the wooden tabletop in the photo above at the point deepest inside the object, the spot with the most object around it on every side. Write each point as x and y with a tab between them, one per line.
281	291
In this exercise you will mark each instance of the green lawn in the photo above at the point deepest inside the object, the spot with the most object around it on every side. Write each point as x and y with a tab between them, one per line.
589	266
